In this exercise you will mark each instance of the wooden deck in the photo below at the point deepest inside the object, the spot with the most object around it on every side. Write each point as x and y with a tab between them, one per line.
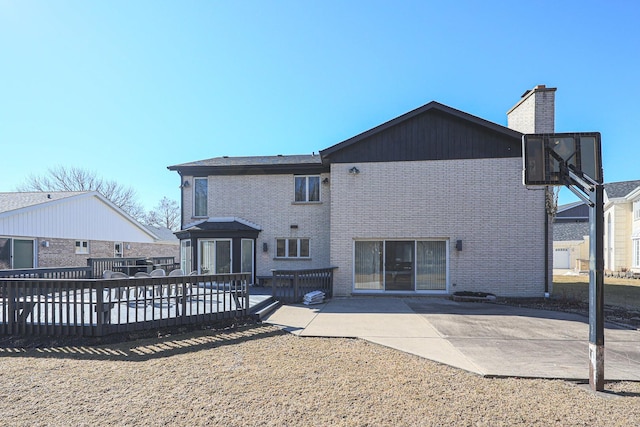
97	307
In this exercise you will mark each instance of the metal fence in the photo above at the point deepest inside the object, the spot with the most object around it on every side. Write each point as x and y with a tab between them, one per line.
290	286
97	307
130	265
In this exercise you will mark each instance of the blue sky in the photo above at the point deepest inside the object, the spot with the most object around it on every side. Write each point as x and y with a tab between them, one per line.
127	88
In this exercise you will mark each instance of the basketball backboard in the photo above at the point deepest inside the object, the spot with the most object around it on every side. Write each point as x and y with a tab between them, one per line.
547	158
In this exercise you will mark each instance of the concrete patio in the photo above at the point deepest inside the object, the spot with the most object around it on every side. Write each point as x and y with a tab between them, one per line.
488	339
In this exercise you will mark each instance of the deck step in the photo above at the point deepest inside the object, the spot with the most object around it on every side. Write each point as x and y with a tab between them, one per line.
265	308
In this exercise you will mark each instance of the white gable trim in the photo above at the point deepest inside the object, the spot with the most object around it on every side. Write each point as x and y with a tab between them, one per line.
87	195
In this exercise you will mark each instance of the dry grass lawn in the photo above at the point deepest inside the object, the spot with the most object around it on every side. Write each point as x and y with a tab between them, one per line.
617	292
259	376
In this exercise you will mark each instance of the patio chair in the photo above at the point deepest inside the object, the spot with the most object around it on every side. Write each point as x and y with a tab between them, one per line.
118	275
158	289
121	291
177	272
142	274
107	274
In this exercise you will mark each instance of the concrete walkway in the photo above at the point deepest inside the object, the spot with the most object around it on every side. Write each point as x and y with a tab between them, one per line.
488	339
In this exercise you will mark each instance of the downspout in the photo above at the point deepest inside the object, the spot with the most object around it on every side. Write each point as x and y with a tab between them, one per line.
181	200
550	209
546	251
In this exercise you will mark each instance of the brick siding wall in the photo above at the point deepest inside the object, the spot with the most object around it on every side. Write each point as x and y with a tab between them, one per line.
267	200
534	113
61	252
481	202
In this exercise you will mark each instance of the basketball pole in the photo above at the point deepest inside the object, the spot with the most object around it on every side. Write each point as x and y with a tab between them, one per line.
575	160
595	191
596	289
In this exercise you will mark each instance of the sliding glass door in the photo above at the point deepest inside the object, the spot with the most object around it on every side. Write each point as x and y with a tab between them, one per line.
368	266
17	253
431	265
401	265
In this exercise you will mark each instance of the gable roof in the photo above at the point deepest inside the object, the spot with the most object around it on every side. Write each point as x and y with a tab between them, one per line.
576	211
615	190
18	203
440	131
19	200
254	165
446	133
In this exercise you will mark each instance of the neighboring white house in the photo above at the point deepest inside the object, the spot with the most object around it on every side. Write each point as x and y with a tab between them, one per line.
59	229
621	231
431	202
622	226
571	238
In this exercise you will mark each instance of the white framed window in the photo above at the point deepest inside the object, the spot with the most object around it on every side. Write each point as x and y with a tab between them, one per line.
636	210
292	248
215	256
185	256
200	193
307	188
118	250
82	247
636	253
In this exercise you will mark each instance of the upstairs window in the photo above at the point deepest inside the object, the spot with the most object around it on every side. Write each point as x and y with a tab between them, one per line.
82	247
292	248
307	188
200	196
636	210
118	250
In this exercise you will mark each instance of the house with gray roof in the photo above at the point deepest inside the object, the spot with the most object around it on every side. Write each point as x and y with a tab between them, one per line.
430	202
622	227
571	237
63	229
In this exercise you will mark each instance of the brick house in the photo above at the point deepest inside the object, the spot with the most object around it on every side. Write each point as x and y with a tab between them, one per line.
63	229
431	202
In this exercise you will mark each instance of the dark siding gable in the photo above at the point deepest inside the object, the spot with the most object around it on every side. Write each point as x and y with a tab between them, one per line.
431	135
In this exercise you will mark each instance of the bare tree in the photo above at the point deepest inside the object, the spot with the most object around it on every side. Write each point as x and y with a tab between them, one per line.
166	214
61	178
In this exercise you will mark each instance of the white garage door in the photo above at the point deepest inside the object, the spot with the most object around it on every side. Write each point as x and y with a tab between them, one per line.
561	258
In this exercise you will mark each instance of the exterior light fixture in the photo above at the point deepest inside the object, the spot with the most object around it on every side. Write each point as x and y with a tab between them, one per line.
354	171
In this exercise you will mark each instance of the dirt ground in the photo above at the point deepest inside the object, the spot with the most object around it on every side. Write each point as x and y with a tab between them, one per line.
257	375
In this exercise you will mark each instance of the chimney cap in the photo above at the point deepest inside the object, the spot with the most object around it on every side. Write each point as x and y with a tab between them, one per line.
541	88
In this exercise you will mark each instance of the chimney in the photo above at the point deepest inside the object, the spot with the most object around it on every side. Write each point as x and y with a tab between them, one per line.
535	112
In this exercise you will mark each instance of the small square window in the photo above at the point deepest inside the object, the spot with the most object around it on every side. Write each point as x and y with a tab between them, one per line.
82	247
307	188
